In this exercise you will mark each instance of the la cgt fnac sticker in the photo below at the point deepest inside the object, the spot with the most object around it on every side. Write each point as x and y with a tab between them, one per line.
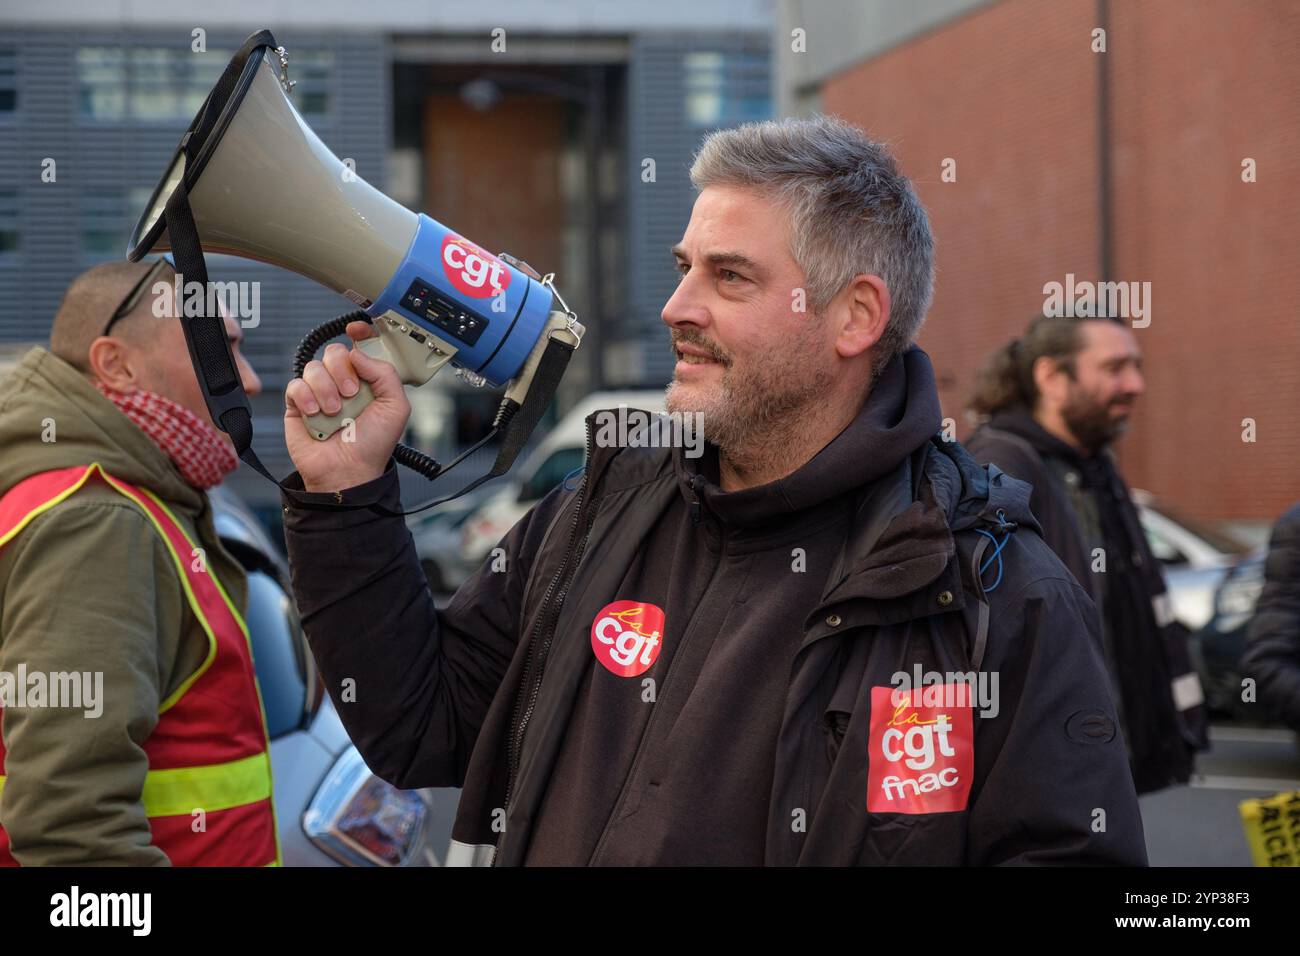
922	749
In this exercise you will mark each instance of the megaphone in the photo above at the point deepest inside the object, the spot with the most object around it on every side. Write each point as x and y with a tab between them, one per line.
250	178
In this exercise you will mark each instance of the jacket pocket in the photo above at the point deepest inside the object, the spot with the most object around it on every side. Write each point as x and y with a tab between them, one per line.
845	699
835	724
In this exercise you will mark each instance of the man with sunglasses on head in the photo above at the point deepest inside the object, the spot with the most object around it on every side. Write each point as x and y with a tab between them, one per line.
113	582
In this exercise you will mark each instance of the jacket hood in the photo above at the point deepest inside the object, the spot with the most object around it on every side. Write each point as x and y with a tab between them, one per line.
899	416
86	426
902	540
971	493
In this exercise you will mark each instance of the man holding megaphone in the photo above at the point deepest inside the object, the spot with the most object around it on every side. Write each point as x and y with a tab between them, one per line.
832	639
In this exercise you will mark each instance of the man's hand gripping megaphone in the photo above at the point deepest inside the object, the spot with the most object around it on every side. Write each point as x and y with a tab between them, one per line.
359	452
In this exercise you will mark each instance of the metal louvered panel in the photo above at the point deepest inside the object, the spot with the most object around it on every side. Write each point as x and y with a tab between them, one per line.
659	128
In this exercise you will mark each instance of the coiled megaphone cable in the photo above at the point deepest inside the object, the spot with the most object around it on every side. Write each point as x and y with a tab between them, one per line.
412	458
403	454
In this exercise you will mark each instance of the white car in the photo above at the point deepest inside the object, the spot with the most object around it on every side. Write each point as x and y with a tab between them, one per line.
559	455
1195	556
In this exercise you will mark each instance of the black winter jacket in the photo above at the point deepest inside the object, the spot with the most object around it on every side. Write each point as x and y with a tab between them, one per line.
479	695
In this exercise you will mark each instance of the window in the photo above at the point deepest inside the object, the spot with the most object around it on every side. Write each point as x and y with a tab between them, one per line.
149	84
101	80
9	235
153	93
8	81
204	71
162	84
274	636
723	89
105	225
311	71
475	411
1164	550
1216	538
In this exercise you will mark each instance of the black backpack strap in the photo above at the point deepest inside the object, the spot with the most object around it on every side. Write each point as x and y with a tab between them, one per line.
979	567
982	601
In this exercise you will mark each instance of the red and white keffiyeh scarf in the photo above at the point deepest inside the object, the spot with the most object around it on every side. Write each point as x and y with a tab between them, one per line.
200	452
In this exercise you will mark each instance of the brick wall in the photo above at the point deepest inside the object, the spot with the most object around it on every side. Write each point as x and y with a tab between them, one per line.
1010	93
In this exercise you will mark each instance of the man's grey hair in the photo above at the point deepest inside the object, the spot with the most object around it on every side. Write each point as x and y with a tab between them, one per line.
852	211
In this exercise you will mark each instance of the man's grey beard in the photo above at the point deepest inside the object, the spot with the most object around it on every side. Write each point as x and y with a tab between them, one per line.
767	405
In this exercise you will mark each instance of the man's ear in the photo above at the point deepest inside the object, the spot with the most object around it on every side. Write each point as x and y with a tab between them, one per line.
114	363
863	315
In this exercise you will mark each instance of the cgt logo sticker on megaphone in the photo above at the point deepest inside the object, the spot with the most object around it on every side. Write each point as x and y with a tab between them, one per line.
260	184
472	271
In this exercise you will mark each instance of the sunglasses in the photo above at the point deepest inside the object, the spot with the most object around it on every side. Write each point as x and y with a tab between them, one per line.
133	297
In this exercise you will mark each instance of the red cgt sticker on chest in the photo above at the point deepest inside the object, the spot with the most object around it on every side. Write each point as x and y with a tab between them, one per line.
626	637
922	749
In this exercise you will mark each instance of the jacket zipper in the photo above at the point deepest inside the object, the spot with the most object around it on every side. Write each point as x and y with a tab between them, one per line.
677	655
530	685
695	484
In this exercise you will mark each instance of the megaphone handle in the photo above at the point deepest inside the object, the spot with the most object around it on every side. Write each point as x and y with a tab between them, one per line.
415	353
323	426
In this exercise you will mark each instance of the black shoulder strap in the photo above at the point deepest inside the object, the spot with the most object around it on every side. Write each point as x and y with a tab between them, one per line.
205	334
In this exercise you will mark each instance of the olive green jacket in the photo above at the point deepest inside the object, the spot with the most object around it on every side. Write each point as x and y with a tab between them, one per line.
89	586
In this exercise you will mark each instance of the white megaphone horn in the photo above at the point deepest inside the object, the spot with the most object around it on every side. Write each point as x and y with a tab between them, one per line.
250	178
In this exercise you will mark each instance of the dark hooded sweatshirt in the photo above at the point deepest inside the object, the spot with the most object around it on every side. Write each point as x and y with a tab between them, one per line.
686	776
758	735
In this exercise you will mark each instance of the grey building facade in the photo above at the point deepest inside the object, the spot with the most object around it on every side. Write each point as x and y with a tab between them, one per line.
90	113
